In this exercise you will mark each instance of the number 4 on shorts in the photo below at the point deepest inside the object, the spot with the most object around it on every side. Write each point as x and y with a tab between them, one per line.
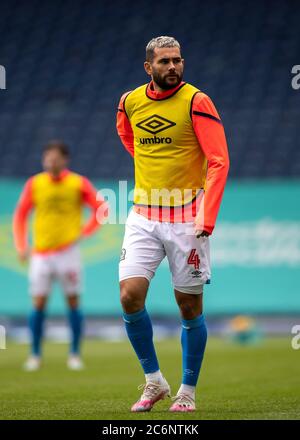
194	259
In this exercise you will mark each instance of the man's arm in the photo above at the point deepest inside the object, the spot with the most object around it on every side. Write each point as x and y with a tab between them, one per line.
20	220
211	137
123	126
97	205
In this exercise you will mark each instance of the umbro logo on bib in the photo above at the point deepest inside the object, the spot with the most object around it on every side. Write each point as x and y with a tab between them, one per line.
155	124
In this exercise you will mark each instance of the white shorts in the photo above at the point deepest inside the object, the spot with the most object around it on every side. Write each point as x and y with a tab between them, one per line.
63	266
147	242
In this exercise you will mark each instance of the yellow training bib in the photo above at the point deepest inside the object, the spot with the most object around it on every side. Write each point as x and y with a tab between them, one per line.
170	167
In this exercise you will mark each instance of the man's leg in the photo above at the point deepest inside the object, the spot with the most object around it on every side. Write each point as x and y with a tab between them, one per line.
193	342
142	252
76	323
140	333
68	271
189	260
138	324
36	327
40	286
36	323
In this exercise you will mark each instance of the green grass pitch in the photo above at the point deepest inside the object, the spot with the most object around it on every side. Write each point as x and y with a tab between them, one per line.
237	382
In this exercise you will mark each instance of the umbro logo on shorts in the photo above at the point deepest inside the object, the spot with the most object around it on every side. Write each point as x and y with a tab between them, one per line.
155	124
196	273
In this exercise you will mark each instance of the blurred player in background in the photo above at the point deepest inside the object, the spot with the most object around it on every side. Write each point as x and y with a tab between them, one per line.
57	195
176	137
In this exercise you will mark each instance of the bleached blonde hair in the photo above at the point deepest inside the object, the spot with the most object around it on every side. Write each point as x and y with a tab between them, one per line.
162	41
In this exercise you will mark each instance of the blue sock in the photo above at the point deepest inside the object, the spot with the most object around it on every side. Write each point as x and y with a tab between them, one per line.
140	333
193	342
76	321
36	321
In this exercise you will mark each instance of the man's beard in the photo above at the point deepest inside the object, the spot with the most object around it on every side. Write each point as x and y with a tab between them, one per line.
162	81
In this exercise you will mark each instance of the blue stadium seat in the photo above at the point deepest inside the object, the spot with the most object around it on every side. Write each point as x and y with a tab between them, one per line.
69	62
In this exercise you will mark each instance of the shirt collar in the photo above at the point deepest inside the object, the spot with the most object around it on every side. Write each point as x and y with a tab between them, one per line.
151	93
61	176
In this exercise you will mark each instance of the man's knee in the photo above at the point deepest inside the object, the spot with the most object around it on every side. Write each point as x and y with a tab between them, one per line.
39	302
190	305
133	293
73	301
187	309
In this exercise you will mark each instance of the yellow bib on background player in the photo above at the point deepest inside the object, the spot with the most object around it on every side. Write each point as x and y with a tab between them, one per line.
166	151
58	208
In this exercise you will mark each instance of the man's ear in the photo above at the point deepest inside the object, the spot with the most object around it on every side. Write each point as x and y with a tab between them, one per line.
147	67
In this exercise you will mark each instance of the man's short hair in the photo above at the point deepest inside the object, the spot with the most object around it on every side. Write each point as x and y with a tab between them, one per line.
58	145
163	41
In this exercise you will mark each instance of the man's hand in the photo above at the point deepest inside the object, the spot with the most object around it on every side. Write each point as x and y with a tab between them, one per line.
200	233
23	256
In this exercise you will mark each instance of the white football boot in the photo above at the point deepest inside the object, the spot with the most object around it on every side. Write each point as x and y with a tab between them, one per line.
153	392
183	403
33	363
75	363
